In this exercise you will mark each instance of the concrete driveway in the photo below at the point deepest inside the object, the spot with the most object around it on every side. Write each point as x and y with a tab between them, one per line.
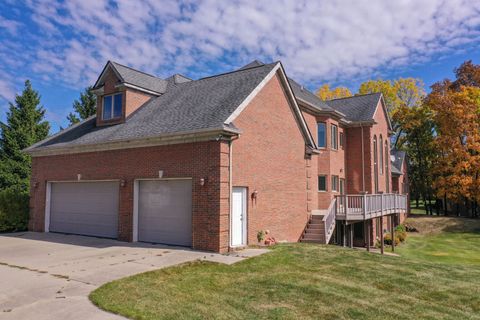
49	276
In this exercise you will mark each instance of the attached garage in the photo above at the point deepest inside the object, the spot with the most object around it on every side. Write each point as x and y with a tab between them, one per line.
165	211
85	208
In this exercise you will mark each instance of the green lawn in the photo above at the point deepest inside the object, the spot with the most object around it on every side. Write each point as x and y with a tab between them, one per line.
302	281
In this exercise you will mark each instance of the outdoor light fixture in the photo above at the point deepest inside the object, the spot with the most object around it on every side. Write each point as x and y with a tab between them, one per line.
203	181
254	194
79	176
122	183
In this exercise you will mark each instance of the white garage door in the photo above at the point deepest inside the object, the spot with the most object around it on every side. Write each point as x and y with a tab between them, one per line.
165	212
86	208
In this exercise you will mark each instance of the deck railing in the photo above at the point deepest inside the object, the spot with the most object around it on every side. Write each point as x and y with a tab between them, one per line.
367	206
329	220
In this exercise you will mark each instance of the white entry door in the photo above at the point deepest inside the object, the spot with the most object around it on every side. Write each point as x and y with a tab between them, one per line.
239	217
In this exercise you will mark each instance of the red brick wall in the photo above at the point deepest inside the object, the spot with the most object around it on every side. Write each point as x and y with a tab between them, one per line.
312	165
131	99
380	129
269	157
195	160
354	160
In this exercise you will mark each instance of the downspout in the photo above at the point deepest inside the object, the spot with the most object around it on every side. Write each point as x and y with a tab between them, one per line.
363	163
230	182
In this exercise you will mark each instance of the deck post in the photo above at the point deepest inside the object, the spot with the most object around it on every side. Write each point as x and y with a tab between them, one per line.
382	249
367	228
351	235
344	234
392	231
364	206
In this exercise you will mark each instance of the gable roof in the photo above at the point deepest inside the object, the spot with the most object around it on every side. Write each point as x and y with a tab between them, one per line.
133	77
358	108
303	94
188	107
399	158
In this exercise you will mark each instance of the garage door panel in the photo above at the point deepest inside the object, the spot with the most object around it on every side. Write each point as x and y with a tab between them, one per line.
165	212
87	208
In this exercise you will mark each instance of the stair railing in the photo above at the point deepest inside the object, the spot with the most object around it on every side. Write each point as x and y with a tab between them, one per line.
329	220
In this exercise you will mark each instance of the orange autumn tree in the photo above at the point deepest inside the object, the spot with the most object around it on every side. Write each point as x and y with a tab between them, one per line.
456	112
327	93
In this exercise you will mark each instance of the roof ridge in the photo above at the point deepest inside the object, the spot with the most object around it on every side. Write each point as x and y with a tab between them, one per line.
234	71
355	96
143	72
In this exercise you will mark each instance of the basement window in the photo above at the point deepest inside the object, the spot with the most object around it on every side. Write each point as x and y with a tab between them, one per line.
112	106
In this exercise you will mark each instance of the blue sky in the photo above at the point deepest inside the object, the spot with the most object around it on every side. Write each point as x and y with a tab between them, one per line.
63	45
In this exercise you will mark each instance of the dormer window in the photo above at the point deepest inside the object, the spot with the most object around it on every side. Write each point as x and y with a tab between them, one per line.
112	106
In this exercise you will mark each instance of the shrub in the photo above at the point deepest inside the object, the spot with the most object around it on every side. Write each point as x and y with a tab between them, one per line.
14	210
260	235
400	228
387	239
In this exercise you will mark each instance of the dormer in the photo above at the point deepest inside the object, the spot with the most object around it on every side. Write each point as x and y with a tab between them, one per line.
121	90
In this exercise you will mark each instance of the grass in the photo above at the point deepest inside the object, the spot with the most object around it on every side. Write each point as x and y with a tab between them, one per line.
302	281
446	240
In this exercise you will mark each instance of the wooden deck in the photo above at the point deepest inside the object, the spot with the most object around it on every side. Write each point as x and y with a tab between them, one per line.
369	206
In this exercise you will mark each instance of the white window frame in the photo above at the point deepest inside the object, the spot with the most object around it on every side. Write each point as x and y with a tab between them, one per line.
325	140
334	136
334	183
113	105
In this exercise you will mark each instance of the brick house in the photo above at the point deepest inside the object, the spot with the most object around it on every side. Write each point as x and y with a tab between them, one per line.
208	163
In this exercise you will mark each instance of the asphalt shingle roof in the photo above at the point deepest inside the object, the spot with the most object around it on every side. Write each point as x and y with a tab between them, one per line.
357	108
140	79
302	93
399	156
189	106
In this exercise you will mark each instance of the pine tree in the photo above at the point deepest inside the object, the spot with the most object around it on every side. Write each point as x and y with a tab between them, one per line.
25	126
83	108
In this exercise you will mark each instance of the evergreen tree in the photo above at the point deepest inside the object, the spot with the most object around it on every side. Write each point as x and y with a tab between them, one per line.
25	126
84	108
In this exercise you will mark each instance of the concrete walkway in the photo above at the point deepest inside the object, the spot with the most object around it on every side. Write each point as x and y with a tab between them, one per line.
49	276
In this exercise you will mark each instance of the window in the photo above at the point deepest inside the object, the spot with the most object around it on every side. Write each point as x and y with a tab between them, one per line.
375	163
335	183
334	137
112	106
342	186
342	140
322	183
322	134
381	154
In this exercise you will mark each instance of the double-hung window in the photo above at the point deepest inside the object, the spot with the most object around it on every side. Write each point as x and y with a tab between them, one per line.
322	134
112	106
342	140
335	183
334	139
322	183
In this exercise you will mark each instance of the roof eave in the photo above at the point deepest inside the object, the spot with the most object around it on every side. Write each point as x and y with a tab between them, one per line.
173	138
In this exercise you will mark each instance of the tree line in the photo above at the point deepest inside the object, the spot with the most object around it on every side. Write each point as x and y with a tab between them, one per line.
440	132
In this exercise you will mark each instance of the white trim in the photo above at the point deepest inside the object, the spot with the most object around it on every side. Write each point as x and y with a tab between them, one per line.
132	86
174	138
48	197
385	111
136	186
252	95
136	190
293	100
102	75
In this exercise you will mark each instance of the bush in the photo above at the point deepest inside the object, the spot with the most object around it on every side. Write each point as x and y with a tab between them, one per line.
400	228
14	210
387	239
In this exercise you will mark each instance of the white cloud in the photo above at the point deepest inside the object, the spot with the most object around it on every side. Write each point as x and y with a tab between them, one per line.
7	91
316	40
10	25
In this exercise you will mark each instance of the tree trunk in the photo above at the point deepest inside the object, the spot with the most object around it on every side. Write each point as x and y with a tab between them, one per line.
445	208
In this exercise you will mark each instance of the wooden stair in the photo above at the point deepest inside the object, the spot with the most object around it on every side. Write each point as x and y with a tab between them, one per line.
315	230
